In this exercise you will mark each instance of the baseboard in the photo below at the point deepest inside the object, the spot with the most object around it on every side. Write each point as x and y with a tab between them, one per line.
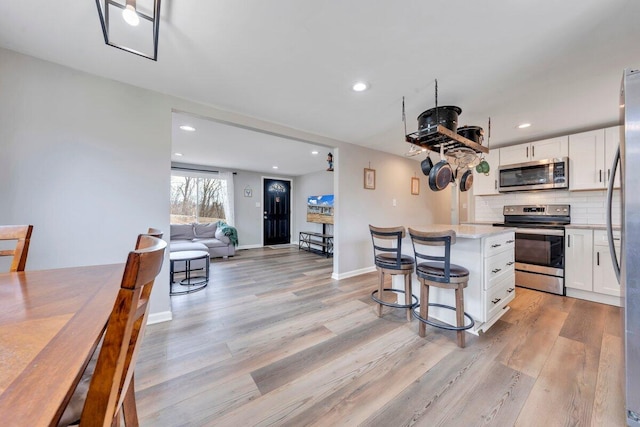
240	247
353	273
595	297
163	316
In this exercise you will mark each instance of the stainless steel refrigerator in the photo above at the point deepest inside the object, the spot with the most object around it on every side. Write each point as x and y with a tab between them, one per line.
628	268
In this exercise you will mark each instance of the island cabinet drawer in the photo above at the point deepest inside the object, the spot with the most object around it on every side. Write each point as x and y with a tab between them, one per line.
499	243
497	266
499	295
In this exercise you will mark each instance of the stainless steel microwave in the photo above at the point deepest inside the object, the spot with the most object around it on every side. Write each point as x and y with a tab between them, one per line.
539	175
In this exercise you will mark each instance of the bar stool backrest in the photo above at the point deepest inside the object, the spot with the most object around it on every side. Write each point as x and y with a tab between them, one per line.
421	239
387	241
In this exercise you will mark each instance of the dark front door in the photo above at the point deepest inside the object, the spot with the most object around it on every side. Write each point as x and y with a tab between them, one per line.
277	211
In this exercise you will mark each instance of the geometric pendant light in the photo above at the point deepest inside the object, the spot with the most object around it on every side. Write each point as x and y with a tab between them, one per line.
131	25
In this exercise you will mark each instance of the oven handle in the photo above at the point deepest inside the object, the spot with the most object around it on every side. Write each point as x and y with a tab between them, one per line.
539	231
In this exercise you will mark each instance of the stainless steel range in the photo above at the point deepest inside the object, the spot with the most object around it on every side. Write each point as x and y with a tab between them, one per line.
539	245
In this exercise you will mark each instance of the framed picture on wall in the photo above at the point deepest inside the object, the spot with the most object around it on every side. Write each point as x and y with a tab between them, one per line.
415	185
248	192
369	179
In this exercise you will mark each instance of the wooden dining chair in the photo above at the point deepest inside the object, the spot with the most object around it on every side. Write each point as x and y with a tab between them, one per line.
155	232
110	393
22	234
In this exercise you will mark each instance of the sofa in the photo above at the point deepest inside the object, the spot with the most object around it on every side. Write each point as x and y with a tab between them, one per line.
193	237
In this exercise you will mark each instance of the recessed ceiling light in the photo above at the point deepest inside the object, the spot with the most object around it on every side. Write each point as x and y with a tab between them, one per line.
275	167
314	152
360	86
524	125
177	154
188	128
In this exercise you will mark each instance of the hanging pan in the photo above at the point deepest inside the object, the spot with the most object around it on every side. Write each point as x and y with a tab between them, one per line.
466	181
441	174
426	165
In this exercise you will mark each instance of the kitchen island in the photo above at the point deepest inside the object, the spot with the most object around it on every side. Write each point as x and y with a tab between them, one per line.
488	253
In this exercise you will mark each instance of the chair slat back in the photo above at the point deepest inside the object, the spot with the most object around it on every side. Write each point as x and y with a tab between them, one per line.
393	237
116	361
421	239
22	235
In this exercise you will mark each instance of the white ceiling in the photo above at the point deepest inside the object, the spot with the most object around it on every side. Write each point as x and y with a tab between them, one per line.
556	64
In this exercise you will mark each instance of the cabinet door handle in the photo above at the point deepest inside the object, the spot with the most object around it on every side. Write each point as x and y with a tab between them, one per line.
510	290
569	241
496	245
495	184
510	263
600	172
495	270
533	151
527	152
497	300
510	241
597	258
608	174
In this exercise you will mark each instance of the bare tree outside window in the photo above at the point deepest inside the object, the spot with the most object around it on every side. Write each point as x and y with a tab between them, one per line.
197	199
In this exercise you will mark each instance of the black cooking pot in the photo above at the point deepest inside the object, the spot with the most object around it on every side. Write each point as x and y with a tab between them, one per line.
473	133
446	116
466	181
426	165
440	176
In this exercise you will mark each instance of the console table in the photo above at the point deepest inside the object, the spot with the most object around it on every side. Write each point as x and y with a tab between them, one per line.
319	243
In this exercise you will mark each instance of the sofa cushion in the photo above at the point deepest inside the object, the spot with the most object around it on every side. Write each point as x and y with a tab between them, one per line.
181	231
186	245
212	243
205	231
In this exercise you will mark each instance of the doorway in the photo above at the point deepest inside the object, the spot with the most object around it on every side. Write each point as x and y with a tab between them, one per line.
277	211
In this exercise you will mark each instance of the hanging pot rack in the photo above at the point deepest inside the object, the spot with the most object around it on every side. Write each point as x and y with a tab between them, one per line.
439	138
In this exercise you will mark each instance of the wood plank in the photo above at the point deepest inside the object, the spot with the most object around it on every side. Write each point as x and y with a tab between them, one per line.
609	405
564	391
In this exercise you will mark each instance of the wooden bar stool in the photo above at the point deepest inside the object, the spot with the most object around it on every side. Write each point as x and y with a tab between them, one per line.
388	258
439	272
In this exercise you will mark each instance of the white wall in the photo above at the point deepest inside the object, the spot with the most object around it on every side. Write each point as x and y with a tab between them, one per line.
356	207
86	161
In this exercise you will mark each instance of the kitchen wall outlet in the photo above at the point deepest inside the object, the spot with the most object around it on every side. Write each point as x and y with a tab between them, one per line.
257	204
393	202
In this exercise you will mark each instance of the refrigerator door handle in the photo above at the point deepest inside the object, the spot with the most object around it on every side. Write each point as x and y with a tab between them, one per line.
612	250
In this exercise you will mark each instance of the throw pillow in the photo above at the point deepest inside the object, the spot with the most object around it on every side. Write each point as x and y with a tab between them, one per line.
220	236
181	231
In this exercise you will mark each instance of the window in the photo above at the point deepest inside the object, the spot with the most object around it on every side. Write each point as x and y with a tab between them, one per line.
201	198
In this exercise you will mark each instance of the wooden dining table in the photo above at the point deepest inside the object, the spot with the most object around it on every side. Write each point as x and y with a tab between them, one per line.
50	323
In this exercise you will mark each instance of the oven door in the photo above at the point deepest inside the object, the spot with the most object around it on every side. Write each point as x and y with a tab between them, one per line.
539	257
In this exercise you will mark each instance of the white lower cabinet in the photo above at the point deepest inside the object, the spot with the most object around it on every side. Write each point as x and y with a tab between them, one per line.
604	278
588	266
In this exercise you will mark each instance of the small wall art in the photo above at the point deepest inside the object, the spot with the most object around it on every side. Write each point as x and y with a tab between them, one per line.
248	192
415	186
369	179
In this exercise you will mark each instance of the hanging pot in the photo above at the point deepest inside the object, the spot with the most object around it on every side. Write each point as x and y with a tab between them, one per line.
426	165
466	181
483	167
440	175
472	133
446	116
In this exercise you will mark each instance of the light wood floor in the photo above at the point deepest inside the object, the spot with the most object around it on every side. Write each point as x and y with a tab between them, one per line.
273	340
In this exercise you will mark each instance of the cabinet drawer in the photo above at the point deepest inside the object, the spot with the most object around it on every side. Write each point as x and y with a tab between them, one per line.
600	237
498	265
499	296
500	243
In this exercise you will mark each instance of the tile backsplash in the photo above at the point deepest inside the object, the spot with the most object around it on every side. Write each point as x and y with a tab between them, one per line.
587	207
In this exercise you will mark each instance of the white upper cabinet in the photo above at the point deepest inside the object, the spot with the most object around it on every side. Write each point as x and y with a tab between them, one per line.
484	185
538	150
611	143
590	158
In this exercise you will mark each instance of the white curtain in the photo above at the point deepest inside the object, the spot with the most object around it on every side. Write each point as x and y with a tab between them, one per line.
229	212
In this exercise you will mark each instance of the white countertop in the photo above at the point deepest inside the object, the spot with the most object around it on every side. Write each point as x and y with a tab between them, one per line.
465	231
592	226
